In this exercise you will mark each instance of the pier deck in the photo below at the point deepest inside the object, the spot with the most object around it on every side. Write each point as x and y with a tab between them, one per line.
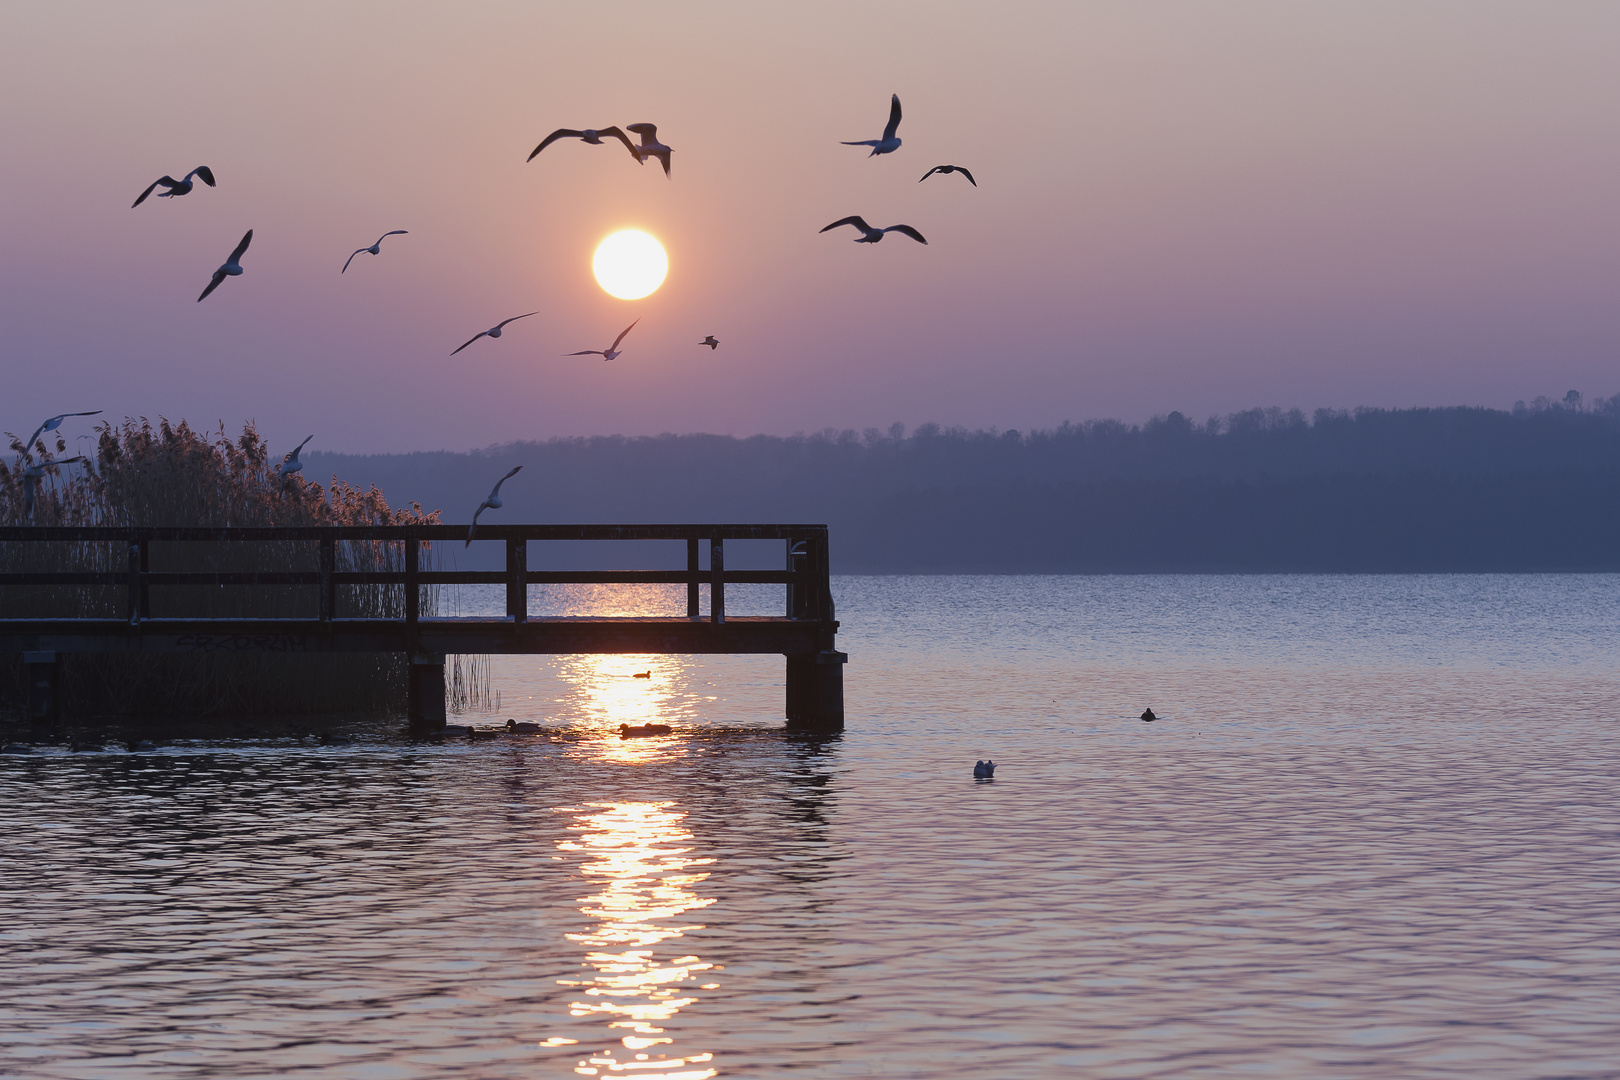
115	564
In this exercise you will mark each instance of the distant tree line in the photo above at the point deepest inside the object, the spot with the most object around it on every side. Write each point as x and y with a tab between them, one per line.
1446	489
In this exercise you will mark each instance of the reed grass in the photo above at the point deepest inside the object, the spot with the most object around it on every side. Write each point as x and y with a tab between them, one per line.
172	475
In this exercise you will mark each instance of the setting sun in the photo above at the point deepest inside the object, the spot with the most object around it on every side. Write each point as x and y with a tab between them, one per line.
630	264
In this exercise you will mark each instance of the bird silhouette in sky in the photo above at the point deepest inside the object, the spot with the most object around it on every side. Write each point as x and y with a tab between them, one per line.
870	235
890	141
946	169
232	267
51	425
375	249
494	331
611	351
650	146
177	187
593	136
290	464
493	502
711	341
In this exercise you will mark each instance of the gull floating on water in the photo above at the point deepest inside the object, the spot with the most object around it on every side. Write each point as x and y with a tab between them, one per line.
944	169
51	425
494	331
177	187
890	141
711	341
232	267
375	249
491	503
870	235
650	146
984	770
593	136
290	464
611	351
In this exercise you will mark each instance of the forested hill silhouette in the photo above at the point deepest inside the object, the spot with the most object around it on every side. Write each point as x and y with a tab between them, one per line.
1449	489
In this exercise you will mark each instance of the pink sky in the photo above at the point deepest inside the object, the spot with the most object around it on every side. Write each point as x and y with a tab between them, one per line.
1201	207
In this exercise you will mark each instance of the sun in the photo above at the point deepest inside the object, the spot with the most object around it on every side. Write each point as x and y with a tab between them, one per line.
630	264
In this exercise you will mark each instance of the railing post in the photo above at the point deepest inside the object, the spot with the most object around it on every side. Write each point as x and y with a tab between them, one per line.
328	567
517	580
693	586
146	588
413	593
717	580
135	560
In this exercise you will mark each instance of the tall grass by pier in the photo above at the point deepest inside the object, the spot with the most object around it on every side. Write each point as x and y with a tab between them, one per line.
172	475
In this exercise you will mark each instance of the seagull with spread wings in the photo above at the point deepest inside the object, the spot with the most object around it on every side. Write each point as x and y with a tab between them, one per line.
947	169
51	425
491	503
494	331
870	235
33	474
650	146
290	464
232	267
177	187
711	341
593	136
375	249
611	351
890	141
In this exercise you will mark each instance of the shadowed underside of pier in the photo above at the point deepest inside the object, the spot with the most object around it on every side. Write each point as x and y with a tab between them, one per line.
118	561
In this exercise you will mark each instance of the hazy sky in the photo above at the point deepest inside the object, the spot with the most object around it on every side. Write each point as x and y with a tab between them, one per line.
1194	206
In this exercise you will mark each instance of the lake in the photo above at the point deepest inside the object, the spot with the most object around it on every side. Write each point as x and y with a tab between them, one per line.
1374	833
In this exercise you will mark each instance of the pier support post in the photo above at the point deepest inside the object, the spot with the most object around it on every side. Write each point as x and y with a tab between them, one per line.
44	675
425	694
815	692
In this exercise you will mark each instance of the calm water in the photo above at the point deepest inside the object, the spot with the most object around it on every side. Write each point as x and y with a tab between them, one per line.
1374	834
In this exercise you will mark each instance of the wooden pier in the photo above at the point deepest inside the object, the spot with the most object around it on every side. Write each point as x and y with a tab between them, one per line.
804	634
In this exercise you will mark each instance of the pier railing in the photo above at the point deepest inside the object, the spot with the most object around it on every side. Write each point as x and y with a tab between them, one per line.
121	558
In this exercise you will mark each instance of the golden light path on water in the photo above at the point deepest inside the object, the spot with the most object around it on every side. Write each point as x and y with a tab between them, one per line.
641	857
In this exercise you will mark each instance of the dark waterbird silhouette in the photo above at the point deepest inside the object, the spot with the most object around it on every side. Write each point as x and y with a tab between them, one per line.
231	268
513	727
944	169
650	146
493	332
870	235
711	341
611	351
628	732
591	135
176	187
51	425
375	249
984	770
890	141
493	502
1147	716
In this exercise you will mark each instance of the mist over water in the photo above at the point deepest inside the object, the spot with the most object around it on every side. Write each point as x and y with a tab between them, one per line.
1372	834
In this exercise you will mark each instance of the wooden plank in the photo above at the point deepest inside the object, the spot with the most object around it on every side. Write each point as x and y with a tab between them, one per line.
426	533
694	588
717	580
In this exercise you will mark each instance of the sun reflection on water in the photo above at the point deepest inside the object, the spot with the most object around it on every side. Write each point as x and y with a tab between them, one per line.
640	855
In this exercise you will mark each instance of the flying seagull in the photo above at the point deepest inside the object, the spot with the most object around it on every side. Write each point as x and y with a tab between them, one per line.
232	267
51	425
711	341
650	146
33	475
375	249
890	141
491	503
290	464
611	351
943	169
177	187
870	235
494	331
592	136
